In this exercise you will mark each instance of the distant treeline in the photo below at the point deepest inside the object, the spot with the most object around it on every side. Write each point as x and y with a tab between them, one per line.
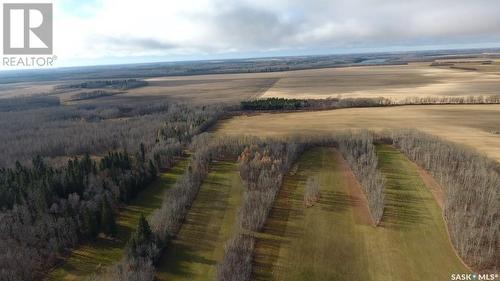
123	84
336	103
26	103
91	95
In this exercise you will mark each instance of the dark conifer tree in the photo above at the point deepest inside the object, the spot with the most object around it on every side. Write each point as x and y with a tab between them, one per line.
108	220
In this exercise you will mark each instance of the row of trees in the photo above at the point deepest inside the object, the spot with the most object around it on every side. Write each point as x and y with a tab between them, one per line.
471	184
359	151
151	238
262	167
336	103
123	84
92	95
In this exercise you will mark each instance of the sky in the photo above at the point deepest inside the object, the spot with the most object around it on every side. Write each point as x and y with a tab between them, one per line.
126	31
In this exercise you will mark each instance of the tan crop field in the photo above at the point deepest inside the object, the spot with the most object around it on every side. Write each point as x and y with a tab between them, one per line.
448	78
392	81
223	88
473	125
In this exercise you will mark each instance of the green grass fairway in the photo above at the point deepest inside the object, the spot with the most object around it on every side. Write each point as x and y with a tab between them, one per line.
335	240
91	257
211	221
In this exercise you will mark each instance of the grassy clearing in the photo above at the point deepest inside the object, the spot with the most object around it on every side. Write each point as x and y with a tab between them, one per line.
92	257
211	221
334	240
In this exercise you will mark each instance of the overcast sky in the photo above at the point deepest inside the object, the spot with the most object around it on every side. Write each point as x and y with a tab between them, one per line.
109	31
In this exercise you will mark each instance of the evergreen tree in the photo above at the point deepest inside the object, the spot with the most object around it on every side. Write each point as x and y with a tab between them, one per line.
143	153
143	233
152	170
108	221
91	226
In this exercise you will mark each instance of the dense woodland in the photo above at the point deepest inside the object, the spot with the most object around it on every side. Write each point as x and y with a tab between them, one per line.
47	209
96	127
471	184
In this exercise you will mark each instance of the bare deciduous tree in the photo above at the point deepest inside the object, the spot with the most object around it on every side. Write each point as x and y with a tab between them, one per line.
312	191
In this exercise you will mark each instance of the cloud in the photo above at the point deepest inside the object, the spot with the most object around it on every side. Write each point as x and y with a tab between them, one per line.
201	27
132	43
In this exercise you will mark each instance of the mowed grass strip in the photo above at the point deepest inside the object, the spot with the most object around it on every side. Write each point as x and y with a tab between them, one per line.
334	239
92	257
212	220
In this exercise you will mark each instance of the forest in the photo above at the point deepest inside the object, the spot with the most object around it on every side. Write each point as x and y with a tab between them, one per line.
51	204
67	169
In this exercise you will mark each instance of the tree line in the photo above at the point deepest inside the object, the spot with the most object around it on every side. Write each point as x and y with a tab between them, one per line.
122	84
359	152
269	104
262	168
471	188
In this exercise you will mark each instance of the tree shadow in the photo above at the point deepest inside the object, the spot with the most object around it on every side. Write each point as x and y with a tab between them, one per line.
404	206
199	233
277	232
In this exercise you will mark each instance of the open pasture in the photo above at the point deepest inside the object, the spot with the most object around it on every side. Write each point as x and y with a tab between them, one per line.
334	240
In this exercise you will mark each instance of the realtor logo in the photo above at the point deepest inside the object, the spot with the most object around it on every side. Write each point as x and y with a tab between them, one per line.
27	29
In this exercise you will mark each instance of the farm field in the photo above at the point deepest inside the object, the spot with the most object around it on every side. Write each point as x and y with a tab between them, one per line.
335	239
91	257
472	125
193	255
391	81
203	89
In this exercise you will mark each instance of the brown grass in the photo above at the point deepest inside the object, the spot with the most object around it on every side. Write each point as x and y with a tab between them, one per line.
466	124
224	88
393	81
